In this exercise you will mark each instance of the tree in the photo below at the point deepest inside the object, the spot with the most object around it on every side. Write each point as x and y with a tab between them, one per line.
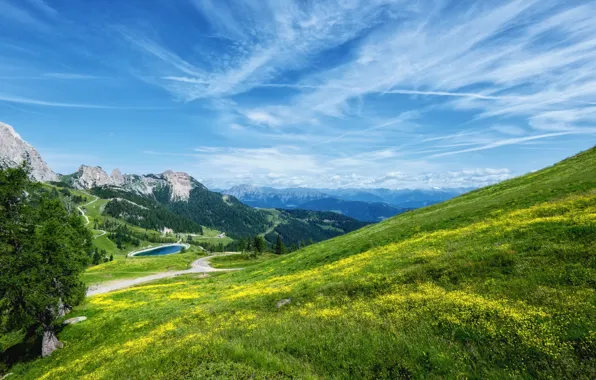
259	244
43	250
189	238
96	257
310	242
280	247
242	245
111	257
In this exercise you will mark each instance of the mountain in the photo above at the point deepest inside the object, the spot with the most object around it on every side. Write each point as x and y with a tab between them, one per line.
14	151
297	227
408	198
496	283
370	205
268	197
364	211
179	185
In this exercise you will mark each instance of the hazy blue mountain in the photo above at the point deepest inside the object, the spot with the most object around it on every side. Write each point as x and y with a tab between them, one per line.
328	199
268	197
408	198
364	211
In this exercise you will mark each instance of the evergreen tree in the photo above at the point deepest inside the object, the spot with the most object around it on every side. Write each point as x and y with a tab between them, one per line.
242	245
280	247
310	242
43	250
96	257
259	244
111	257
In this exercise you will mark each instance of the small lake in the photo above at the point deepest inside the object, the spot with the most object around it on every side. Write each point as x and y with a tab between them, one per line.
160	251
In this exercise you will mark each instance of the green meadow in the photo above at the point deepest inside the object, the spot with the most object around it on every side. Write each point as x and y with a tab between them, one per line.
498	283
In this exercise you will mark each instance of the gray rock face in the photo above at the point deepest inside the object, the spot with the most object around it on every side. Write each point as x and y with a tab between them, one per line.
117	179
90	176
14	151
49	343
180	184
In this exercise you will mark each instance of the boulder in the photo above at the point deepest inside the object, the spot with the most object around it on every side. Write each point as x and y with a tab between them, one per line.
75	320
283	302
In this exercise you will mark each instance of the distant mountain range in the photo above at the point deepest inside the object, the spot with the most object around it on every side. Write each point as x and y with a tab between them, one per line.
370	205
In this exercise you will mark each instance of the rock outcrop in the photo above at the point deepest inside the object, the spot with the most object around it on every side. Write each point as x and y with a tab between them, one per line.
179	184
14	151
90	176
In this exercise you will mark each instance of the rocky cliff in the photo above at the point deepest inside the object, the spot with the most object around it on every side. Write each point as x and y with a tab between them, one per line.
14	151
178	184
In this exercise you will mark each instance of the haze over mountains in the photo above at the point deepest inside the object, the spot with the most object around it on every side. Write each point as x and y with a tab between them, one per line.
371	205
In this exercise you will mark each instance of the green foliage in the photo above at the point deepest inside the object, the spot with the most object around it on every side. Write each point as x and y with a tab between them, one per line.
154	217
297	225
280	247
43	250
220	212
259	245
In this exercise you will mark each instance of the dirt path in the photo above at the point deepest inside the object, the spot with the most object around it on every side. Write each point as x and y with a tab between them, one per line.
199	266
83	212
87	218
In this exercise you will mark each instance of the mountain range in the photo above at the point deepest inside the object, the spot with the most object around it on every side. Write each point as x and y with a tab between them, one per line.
370	205
175	199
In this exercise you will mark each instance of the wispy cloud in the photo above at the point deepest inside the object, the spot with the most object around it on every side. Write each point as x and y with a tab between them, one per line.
37	102
504	142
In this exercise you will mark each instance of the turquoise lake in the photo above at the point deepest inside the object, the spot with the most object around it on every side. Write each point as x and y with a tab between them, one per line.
160	251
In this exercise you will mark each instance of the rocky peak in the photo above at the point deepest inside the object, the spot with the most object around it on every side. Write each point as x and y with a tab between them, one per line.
117	179
180	183
90	176
14	151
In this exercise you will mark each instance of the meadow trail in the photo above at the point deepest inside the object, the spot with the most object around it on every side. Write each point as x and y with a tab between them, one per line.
198	266
87	221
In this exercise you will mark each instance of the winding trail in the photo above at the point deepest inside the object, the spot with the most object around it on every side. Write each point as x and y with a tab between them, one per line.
87	218
198	266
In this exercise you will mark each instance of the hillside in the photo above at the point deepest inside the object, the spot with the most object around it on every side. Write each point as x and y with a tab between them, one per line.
498	283
364	211
298	227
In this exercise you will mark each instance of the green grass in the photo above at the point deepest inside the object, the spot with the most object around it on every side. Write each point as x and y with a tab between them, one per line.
240	261
133	267
499	283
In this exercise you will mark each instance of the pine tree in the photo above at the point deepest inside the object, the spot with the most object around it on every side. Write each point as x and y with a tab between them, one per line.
111	257
40	238
259	244
280	247
242	245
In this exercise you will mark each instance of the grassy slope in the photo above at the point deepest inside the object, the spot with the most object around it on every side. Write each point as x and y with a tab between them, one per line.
132	267
497	283
240	261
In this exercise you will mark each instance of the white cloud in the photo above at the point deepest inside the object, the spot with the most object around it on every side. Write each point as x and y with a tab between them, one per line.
505	129
504	142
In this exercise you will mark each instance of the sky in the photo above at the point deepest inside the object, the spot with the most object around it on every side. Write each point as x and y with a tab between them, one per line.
329	94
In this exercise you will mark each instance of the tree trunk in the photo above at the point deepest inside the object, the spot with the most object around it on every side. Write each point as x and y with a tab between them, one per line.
49	343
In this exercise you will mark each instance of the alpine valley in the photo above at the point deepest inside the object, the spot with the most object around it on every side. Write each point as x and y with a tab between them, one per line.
176	203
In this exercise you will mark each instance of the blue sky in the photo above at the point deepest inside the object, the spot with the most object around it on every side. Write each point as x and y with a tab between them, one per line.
339	93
